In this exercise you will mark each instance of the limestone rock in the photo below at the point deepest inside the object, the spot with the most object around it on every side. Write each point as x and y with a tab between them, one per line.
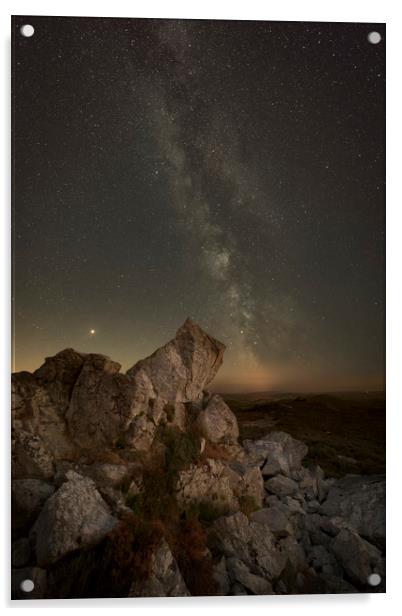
180	370
361	502
165	579
141	433
293	449
36	417
240	573
102	405
268	455
281	486
275	519
276	453
216	422
58	376
207	483
246	481
358	557
75	516
251	542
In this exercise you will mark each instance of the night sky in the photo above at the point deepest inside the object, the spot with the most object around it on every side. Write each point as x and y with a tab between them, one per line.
228	171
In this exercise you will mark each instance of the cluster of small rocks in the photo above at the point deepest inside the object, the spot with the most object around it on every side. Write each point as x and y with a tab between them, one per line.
305	532
313	534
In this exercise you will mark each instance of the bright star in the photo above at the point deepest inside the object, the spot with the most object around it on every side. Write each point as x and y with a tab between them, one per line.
92	332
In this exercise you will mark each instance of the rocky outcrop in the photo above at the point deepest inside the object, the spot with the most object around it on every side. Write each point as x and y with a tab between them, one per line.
101	459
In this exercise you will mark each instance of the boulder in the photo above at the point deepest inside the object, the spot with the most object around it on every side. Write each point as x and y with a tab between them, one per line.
235	536
240	573
276	453
102	405
268	455
27	499
361	502
246	481
312	483
277	522
216	422
75	516
358	558
281	486
165	579
209	483
293	449
180	370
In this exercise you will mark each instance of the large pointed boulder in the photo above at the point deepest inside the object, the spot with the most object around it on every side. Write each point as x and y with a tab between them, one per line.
180	370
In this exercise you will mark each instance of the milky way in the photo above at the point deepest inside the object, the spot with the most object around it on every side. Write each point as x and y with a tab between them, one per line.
227	171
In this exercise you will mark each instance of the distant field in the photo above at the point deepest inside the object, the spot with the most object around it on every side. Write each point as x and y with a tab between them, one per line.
345	432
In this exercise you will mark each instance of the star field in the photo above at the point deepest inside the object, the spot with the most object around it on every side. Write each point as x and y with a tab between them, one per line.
232	172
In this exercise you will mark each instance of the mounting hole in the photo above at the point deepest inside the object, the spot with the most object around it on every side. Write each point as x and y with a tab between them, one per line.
374	38
27	30
27	585
374	579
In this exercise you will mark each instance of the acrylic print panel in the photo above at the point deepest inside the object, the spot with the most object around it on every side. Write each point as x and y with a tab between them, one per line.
198	265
